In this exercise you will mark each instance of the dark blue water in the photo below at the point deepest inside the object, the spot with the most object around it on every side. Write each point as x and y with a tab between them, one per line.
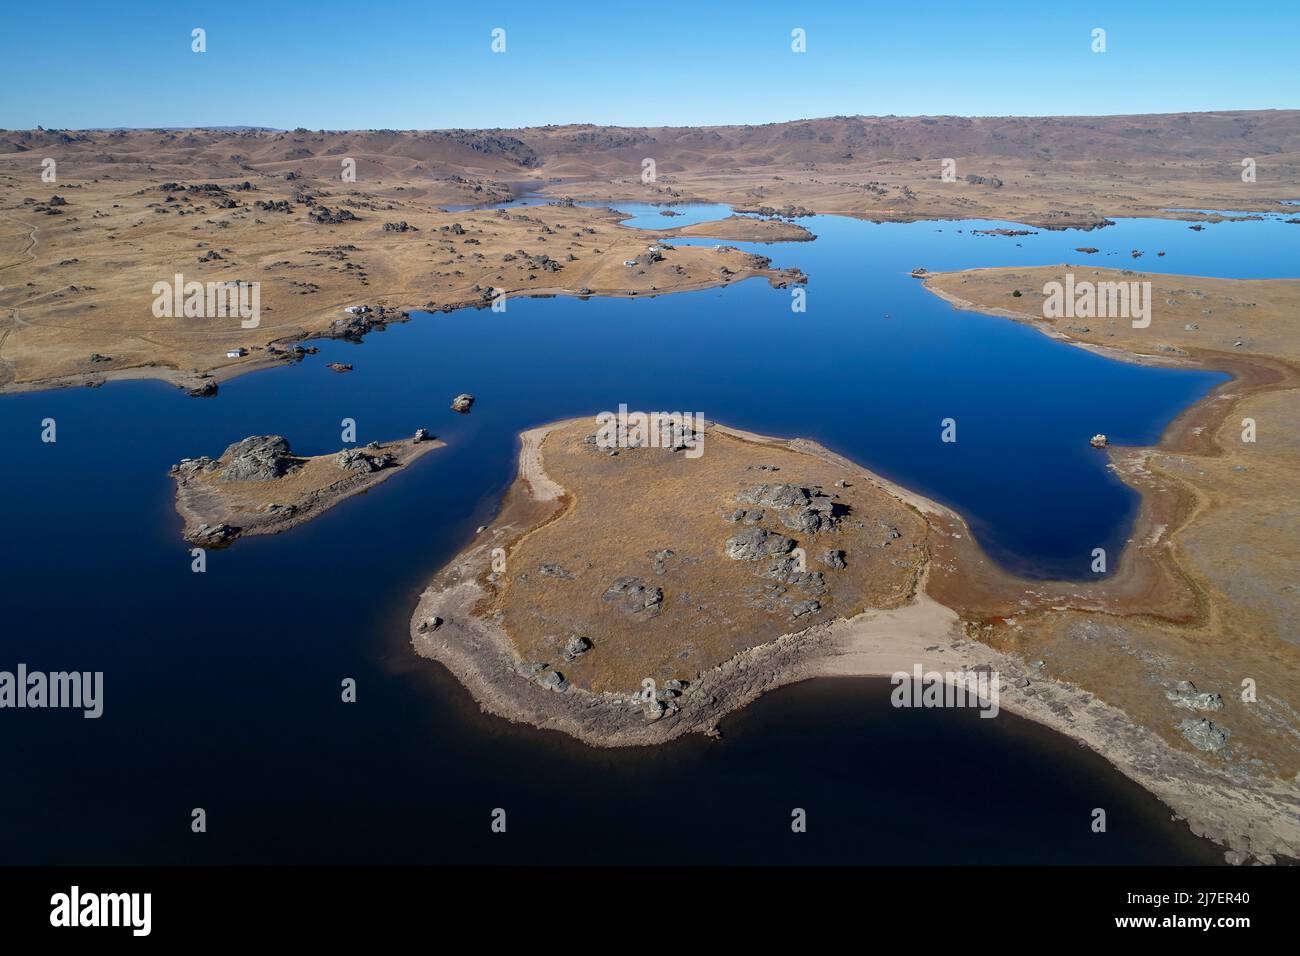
222	689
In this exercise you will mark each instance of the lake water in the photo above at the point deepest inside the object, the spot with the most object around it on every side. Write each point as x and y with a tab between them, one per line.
222	689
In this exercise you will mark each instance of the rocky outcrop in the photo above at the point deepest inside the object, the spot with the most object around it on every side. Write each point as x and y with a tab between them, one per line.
805	510
833	558
1186	695
1204	734
213	535
257	458
241	492
575	647
755	543
633	596
356	460
462	403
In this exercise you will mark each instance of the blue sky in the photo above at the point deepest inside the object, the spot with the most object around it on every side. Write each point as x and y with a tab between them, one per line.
405	65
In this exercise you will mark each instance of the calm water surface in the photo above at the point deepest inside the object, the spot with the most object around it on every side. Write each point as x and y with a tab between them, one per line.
222	689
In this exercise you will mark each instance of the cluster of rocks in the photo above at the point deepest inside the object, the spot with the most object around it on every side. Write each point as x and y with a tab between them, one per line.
273	205
805	510
799	509
805	607
756	543
327	217
1186	695
189	467
356	324
633	596
353	459
788	211
421	434
659	560
401	226
787	569
746	515
659	703
984	181
1204	734
541	263
462	403
208	535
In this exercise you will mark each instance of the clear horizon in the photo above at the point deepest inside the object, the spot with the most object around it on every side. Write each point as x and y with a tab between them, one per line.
412	66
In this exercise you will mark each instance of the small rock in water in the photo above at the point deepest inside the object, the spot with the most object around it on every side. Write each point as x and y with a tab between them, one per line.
1099	441
462	403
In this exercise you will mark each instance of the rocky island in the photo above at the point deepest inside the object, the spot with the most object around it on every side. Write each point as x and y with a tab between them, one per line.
258	486
630	595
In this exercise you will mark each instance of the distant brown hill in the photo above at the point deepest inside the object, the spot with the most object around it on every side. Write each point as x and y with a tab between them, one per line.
584	151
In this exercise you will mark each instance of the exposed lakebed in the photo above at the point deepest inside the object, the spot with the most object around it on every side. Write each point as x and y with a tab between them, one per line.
222	689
